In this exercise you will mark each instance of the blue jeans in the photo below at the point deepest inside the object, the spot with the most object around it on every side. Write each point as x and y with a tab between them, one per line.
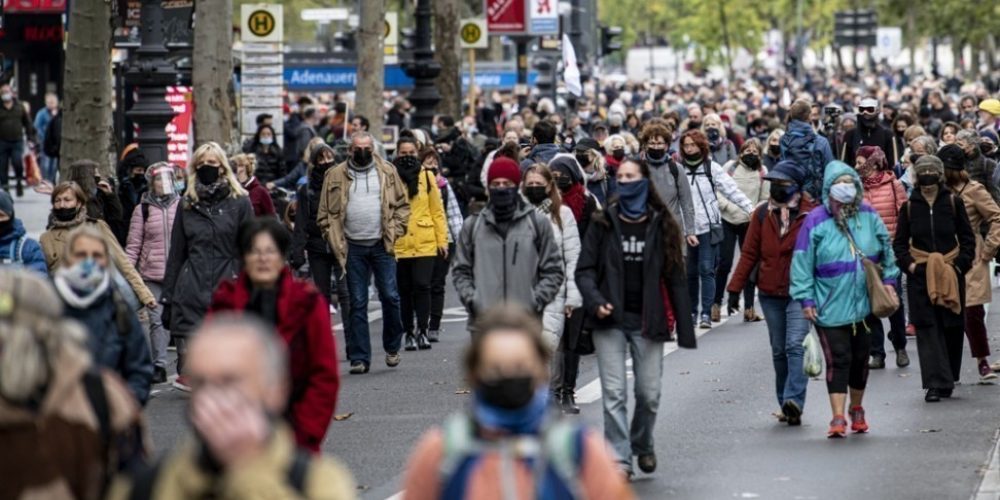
49	167
897	328
701	262
11	152
613	346
787	327
362	262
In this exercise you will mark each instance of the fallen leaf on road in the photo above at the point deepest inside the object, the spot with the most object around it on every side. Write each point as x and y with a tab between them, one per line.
749	495
343	416
363	487
463	391
926	431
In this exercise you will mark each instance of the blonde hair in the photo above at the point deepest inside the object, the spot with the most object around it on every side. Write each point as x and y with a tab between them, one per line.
712	120
776	133
211	148
249	159
307	153
84	231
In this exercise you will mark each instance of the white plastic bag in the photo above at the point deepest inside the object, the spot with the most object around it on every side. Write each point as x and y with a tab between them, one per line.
812	360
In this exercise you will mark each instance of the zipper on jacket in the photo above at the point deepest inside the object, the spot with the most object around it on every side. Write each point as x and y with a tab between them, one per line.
933	237
513	262
505	268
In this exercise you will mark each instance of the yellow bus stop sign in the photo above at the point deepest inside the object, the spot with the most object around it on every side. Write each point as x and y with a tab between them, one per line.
261	23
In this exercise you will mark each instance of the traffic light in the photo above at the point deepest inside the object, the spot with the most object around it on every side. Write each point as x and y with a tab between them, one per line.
610	41
546	81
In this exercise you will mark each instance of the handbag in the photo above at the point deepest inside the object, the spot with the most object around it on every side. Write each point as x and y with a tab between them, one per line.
883	304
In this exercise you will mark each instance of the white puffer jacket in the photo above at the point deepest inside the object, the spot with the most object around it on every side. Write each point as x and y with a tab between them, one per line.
568	244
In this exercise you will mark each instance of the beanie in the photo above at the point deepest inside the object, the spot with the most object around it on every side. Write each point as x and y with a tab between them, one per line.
989	134
6	204
504	168
567	165
928	164
952	156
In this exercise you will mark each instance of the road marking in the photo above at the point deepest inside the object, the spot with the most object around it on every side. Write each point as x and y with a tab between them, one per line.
989	487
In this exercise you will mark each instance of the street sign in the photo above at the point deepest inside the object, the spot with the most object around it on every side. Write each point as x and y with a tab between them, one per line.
506	17
261	23
325	15
544	17
473	34
391	28
890	42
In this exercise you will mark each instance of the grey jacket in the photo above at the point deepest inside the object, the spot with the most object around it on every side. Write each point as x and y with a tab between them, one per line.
525	267
677	195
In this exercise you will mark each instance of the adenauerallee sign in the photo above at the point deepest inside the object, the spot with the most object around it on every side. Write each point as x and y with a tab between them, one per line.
346	78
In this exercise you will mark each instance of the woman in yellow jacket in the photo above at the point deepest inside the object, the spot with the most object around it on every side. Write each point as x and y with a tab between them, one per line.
426	236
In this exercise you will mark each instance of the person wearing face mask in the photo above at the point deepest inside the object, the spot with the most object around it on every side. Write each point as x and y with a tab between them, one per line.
723	150
115	338
543	144
430	162
203	245
979	167
239	446
988	141
900	123
16	248
132	183
15	125
936	246
750	177
599	180
569	178
245	167
147	248
766	261
617	150
492	449
631	276
772	149
868	132
102	201
363	211
665	175
507	253
828	280
270	162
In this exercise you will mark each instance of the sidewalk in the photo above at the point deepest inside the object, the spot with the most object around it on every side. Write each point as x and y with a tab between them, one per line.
33	209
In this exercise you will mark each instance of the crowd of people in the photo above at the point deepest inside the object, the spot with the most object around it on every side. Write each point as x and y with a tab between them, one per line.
607	225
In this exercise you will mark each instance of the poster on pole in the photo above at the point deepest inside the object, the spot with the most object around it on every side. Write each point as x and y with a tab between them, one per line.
544	17
506	17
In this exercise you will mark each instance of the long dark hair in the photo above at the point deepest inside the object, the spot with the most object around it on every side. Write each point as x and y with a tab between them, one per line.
546	173
673	256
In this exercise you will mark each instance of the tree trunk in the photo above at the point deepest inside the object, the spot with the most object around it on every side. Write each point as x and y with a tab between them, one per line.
448	55
974	61
212	73
87	132
371	63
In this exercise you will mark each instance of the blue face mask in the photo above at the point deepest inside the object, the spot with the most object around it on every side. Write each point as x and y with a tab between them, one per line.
844	193
526	419
632	198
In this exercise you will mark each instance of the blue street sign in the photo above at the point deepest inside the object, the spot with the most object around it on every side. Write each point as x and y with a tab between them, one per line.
341	77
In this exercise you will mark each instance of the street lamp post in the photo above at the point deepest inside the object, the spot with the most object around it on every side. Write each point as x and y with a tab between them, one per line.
151	73
423	69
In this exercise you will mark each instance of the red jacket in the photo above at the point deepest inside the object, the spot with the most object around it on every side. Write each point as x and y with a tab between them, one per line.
886	198
772	251
259	198
304	324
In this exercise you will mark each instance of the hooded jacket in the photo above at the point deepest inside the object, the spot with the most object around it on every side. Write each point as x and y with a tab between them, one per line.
522	266
304	325
260	199
567	238
826	273
541	153
31	255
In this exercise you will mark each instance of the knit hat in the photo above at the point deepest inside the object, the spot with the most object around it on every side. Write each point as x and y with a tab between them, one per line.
991	106
567	165
787	170
504	168
929	164
952	156
587	143
6	204
874	156
989	134
131	157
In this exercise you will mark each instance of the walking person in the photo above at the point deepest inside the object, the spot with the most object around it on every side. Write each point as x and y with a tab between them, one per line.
935	244
706	178
430	161
665	176
982	211
751	178
362	211
270	161
15	125
828	280
245	167
766	260
722	149
203	245
16	248
44	117
631	276
148	246
426	237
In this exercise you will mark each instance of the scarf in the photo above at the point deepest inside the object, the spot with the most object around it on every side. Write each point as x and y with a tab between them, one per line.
785	212
545	207
942	282
575	198
82	284
264	303
409	171
81	216
871	178
213	192
526	420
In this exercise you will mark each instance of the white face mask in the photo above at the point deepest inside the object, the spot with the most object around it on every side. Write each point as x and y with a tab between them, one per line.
267	141
7	97
844	193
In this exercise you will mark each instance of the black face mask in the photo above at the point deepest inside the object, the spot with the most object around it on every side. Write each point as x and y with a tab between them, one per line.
774	149
618	154
138	180
690	158
6	227
510	392
361	157
751	161
320	169
781	194
583	159
655	154
535	194
563	182
503	201
869	121
914	157
207	174
65	214
928	179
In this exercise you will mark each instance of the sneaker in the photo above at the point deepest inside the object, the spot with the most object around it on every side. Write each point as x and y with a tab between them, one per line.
647	463
792	413
410	342
706	323
422	342
932	396
902	359
333	310
433	335
876	363
985	371
392	359
751	316
716	313
358	368
911	331
858	423
159	375
181	384
838	427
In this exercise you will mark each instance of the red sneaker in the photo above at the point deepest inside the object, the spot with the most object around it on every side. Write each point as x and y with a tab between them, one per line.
911	331
858	423
838	427
180	383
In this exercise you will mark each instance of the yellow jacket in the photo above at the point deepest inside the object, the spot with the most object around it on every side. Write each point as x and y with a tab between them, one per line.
426	231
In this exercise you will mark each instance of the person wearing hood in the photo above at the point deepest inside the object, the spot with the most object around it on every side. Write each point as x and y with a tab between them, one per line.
936	246
631	277
543	144
245	168
363	211
804	146
600	182
426	238
203	245
132	183
507	253
102	203
868	132
988	145
270	162
147	249
115	338
828	280
980	168
886	195
665	175
16	248
569	178
723	150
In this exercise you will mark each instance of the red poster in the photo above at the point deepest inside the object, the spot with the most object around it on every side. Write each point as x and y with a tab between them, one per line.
506	16
179	129
34	6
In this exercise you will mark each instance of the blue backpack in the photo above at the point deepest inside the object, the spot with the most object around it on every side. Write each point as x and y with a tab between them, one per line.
800	147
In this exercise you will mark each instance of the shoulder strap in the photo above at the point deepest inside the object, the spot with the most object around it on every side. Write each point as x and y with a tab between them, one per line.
458	444
145	211
144	479
673	170
98	397
298	471
708	173
564	449
122	310
761	214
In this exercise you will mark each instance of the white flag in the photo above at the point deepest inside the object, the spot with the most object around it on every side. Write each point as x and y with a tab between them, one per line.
571	73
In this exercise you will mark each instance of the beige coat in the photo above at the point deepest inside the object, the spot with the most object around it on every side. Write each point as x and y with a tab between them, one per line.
752	184
53	243
333	207
982	210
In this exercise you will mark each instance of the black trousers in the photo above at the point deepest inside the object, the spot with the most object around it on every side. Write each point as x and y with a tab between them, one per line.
439	282
732	234
413	276
326	270
846	351
940	352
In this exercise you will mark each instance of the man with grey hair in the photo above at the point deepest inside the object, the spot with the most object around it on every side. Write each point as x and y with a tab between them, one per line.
979	167
364	208
241	447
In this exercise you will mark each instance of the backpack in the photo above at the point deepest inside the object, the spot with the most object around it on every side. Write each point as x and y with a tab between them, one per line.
16	253
800	147
561	448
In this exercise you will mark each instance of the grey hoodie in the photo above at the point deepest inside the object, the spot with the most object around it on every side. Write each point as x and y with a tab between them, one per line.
524	267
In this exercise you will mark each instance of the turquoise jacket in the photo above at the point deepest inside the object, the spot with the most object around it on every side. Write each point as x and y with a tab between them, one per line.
826	273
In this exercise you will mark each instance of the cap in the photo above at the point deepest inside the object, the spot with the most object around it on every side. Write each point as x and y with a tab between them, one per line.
787	170
929	164
587	143
991	106
868	102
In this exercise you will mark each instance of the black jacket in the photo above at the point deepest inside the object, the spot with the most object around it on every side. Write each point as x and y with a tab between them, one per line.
203	252
937	230
864	136
53	137
270	165
601	280
308	237
15	123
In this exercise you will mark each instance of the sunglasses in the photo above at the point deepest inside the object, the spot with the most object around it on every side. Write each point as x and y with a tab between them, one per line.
867	110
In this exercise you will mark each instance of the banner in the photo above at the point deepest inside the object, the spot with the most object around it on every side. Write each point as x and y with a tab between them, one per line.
506	17
179	129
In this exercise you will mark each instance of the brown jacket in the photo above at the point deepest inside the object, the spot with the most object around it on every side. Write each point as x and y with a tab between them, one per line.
57	451
982	210
53	243
333	207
